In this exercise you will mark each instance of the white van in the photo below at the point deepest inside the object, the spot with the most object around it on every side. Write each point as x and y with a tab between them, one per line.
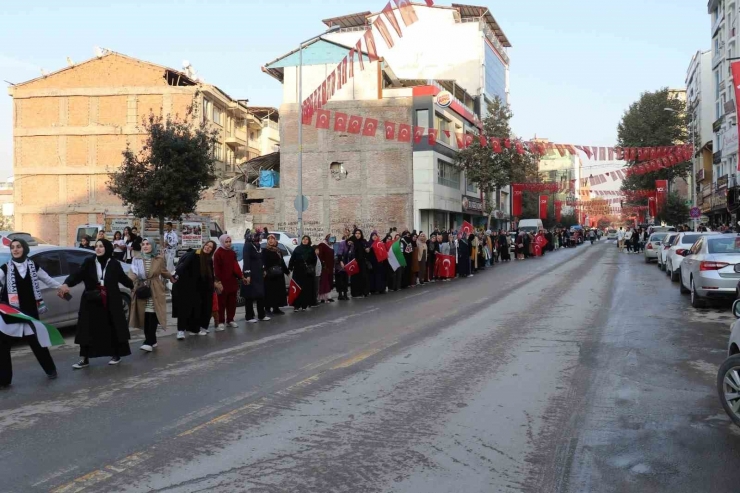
531	225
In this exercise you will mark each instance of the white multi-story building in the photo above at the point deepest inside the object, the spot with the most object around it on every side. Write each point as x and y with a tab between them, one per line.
724	15
459	50
700	108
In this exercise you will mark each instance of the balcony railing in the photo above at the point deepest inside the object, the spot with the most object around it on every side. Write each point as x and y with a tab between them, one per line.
270	124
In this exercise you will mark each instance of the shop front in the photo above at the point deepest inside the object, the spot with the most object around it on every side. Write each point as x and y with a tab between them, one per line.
473	212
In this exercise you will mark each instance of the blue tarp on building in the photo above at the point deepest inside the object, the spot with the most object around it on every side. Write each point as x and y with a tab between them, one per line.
269	178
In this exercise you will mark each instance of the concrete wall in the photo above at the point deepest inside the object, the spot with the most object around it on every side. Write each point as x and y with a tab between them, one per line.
376	193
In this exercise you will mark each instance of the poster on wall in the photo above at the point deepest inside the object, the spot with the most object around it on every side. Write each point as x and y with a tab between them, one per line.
191	234
113	224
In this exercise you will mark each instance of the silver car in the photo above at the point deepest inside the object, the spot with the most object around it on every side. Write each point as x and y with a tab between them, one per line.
654	246
708	268
728	375
665	247
60	262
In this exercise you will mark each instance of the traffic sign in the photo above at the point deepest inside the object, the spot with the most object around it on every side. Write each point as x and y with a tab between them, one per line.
695	212
297	203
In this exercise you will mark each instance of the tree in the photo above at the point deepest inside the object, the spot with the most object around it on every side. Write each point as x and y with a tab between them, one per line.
491	170
568	220
603	223
175	165
674	212
647	123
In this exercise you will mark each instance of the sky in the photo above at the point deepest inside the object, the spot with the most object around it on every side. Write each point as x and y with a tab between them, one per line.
576	65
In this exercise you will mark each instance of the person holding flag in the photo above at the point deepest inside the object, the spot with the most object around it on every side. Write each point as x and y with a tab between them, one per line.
19	279
397	262
378	257
303	265
357	251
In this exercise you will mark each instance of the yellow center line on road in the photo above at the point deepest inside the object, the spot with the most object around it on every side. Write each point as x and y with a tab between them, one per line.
100	475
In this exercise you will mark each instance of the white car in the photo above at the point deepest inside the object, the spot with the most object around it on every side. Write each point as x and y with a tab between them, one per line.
611	234
667	242
654	246
684	241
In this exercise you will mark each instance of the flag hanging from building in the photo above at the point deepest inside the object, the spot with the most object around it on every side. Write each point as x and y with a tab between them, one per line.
322	119
516	208
355	124
390	131
384	32
340	122
408	14
371	125
404	133
391	17
543	206
372	50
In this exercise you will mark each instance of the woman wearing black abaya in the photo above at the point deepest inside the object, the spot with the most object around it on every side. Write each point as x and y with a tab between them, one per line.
358	250
102	328
303	265
192	294
503	247
463	256
19	280
378	281
275	272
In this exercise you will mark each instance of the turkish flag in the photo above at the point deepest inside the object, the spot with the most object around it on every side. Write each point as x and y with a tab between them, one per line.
391	17
543	206
432	137
352	268
322	119
483	140
307	114
558	210
381	252
537	250
468	140
661	187
404	133
372	50
358	49
467	228
355	124
519	148
507	143
418	134
652	205
340	122
371	125
294	290
517	201
445	266
541	241
383	30
496	145
460	140
390	131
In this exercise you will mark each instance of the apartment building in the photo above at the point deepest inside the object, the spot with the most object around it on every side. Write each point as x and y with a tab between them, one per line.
459	51
71	126
700	108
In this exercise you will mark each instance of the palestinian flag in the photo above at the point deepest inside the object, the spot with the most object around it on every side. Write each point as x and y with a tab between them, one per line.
395	256
13	322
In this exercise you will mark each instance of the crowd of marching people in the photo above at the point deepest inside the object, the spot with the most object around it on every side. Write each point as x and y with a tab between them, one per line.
205	282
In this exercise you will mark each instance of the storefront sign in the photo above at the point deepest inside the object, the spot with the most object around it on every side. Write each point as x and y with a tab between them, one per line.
729	141
444	99
472	205
719	201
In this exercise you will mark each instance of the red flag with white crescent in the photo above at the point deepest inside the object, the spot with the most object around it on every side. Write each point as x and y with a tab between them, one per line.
432	136
352	268
355	124
418	134
322	119
390	131
445	265
294	290
340	122
371	125
404	133
381	252
466	228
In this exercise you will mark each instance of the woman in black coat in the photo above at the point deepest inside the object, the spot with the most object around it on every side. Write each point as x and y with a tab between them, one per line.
358	250
102	328
463	256
192	294
254	273
272	261
303	265
378	282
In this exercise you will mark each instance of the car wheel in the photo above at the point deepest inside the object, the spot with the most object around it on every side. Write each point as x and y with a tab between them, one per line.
674	275
728	387
696	300
681	287
126	307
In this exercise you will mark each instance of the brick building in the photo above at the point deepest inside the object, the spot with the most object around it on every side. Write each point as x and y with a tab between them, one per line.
71	126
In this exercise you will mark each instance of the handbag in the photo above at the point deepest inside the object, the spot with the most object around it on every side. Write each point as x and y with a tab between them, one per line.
310	269
98	296
274	272
144	292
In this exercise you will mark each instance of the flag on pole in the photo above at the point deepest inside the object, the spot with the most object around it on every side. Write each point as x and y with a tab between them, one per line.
466	229
14	322
352	268
381	253
395	256
294	290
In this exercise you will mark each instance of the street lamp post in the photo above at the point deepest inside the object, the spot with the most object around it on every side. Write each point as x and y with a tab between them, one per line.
299	199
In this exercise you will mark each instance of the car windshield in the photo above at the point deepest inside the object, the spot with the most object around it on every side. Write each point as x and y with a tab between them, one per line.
689	239
670	239
612	231
724	245
658	237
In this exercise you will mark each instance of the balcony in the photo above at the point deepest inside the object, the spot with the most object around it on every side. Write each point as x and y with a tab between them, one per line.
718	58
234	141
270	124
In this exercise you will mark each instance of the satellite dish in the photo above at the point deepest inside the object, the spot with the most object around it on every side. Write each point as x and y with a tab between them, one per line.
44	72
70	62
100	52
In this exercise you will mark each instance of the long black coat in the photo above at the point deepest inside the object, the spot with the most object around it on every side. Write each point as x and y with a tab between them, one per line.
192	294
463	258
98	327
275	294
253	269
301	261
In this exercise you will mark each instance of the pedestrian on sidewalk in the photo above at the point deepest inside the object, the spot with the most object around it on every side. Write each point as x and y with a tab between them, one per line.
358	250
170	245
627	242
432	250
226	269
19	279
317	276
148	303
102	328
326	259
620	239
253	287
463	256
275	272
119	247
303	265
635	241
340	275
379	271
192	294
421	255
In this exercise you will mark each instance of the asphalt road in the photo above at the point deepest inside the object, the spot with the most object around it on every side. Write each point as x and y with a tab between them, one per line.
582	371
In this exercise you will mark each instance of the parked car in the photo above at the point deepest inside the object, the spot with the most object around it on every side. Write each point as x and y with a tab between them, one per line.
60	262
288	239
678	249
654	246
611	234
708	268
238	247
728	375
667	243
14	235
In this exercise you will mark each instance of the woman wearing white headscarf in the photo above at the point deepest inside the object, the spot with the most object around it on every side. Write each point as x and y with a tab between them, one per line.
226	269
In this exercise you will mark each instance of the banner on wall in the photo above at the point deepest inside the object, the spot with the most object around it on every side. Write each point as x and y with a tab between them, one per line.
661	192
516	209
543	206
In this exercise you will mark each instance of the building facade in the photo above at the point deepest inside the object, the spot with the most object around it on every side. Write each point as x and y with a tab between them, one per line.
419	180
70	128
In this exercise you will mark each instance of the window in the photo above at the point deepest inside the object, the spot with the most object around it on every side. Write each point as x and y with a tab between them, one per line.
470	186
217	116
218	151
207	109
726	244
74	260
50	262
716	84
442	124
495	74
448	174
422	118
